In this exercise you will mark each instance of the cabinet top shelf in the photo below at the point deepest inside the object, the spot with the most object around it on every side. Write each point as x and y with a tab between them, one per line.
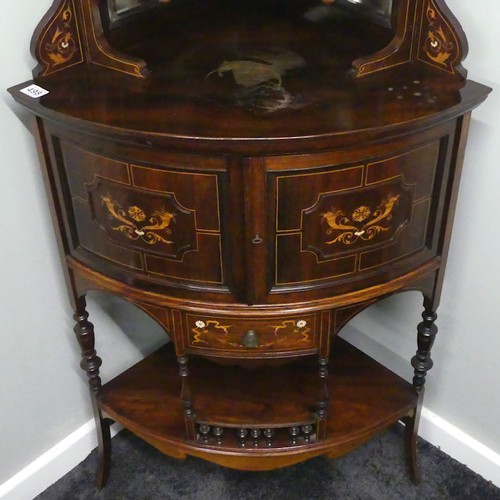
85	97
250	71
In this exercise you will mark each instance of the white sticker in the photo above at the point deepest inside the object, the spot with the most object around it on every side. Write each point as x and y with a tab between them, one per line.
34	91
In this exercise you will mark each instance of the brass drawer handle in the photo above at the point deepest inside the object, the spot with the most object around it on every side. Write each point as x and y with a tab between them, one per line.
257	240
251	339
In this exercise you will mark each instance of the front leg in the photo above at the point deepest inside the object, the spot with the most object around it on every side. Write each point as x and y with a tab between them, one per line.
411	422
422	361
187	398
323	398
90	363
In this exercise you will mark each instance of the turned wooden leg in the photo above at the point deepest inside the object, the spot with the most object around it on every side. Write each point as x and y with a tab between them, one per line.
411	440
103	446
322	403
187	398
422	361
90	363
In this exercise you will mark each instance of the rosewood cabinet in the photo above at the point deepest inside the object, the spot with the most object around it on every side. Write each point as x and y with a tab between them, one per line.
252	175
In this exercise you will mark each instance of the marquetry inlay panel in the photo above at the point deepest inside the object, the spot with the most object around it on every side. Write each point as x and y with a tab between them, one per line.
206	333
149	222
59	45
345	220
155	220
439	45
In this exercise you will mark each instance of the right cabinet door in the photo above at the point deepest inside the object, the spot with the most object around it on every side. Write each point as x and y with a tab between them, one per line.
352	224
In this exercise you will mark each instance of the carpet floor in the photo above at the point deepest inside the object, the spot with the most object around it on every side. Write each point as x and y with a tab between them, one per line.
375	471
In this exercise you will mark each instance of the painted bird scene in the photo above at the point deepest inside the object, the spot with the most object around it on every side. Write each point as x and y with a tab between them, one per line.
259	80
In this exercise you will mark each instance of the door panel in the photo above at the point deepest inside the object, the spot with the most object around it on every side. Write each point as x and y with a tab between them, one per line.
346	220
160	221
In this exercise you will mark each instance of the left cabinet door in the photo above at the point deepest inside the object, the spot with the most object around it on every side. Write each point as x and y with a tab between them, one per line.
156	223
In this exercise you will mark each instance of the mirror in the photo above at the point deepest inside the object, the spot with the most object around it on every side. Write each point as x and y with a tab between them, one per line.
379	11
120	8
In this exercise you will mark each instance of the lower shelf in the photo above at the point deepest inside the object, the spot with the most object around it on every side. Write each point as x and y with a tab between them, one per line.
365	398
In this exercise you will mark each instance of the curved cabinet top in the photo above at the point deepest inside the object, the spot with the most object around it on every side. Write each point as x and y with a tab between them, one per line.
88	100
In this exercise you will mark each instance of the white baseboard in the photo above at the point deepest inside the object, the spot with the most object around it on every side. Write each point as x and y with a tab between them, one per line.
437	431
53	464
459	445
59	460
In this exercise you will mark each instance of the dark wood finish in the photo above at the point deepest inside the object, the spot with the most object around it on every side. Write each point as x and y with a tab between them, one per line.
364	399
71	34
253	337
186	397
90	363
84	331
411	422
426	34
422	361
270	174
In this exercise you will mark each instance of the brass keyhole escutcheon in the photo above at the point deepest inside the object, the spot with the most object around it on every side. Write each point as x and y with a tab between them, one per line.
251	339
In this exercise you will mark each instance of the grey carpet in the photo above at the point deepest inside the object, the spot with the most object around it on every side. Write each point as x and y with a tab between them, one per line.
375	471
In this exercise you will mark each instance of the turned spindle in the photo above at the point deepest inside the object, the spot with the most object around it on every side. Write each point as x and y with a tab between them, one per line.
422	362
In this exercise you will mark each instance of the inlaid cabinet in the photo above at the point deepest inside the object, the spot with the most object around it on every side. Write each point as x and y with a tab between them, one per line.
252	175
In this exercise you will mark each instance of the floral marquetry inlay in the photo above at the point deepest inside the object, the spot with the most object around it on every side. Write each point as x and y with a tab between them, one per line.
203	328
299	328
290	333
154	229
60	46
361	224
439	45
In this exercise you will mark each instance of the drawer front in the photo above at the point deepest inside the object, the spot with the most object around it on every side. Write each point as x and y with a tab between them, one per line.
160	222
230	336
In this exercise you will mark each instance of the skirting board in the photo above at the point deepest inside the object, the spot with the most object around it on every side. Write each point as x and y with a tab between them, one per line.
437	431
459	445
53	464
67	454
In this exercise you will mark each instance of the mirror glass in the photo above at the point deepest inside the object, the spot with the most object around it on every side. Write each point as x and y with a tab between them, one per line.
377	10
119	8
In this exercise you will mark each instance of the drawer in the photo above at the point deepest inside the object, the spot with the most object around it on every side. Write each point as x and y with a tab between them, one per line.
227	336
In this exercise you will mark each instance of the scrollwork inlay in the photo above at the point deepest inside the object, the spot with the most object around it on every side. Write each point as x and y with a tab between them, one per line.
439	42
153	231
205	331
60	46
361	224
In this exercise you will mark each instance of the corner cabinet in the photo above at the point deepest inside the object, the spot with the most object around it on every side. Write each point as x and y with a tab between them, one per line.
252	176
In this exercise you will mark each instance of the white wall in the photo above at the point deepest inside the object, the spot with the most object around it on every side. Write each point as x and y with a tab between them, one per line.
43	394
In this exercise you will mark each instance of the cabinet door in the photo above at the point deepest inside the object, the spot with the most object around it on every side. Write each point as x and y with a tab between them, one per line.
349	225
156	223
